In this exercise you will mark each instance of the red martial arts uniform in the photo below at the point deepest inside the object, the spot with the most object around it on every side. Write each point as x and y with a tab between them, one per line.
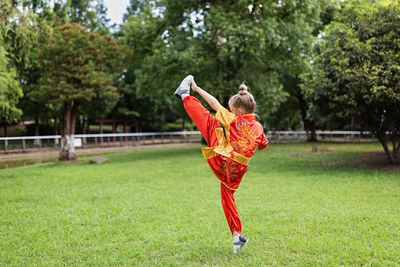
227	157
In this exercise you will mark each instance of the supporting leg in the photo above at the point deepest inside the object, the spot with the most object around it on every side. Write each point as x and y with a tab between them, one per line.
230	210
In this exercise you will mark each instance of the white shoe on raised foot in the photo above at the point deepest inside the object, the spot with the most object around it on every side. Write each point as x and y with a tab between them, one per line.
184	87
239	245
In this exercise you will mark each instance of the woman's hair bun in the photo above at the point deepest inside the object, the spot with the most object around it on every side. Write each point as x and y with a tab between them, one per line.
243	89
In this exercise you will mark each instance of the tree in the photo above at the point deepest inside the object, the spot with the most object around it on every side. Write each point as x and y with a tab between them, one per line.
222	43
355	72
10	93
142	35
14	50
78	66
293	111
90	13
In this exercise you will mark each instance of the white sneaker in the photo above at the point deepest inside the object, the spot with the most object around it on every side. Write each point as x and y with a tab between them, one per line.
239	245
184	87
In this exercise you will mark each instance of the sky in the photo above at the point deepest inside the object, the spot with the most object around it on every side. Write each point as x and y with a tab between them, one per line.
116	8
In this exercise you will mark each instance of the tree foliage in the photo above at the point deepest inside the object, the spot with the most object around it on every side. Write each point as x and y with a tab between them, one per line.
77	67
355	71
292	113
14	50
222	43
10	92
40	19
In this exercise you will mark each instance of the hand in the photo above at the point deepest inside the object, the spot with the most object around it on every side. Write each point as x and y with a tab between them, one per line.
194	85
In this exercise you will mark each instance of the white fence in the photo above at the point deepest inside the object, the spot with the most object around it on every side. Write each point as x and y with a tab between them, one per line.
26	143
339	136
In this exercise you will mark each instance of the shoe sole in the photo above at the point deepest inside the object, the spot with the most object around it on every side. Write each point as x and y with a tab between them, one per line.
240	248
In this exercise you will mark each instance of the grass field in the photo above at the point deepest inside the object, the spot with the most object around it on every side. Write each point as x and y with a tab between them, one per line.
162	207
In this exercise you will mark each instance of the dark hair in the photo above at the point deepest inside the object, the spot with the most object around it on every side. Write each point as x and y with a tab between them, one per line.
243	100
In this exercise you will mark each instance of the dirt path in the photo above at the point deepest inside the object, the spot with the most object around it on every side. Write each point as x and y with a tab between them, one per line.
44	155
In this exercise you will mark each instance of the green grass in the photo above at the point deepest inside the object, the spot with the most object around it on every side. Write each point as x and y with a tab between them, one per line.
162	207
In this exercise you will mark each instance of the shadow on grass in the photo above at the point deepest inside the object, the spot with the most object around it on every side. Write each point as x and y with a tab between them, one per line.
329	157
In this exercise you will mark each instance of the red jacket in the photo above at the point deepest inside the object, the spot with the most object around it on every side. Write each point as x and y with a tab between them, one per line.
229	160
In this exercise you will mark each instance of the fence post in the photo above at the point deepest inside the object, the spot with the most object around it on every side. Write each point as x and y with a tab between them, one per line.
5	145
23	144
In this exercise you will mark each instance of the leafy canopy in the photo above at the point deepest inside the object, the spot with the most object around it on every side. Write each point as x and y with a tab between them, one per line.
78	65
222	43
355	70
10	92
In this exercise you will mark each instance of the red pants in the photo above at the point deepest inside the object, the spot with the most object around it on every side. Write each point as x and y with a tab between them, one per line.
206	124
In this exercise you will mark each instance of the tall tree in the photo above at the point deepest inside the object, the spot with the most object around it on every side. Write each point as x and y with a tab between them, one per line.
355	71
91	13
293	111
10	93
142	35
16	33
78	66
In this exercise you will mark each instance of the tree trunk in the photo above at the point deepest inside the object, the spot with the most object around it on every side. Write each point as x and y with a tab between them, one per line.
125	130
383	140
396	147
311	134
67	152
56	126
137	128
309	125
36	142
101	131
88	127
67	121
84	129
114	128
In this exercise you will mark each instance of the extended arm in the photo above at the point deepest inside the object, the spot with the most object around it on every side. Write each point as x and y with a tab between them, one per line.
212	101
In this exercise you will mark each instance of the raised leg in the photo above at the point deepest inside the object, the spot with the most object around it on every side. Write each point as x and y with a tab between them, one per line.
203	120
